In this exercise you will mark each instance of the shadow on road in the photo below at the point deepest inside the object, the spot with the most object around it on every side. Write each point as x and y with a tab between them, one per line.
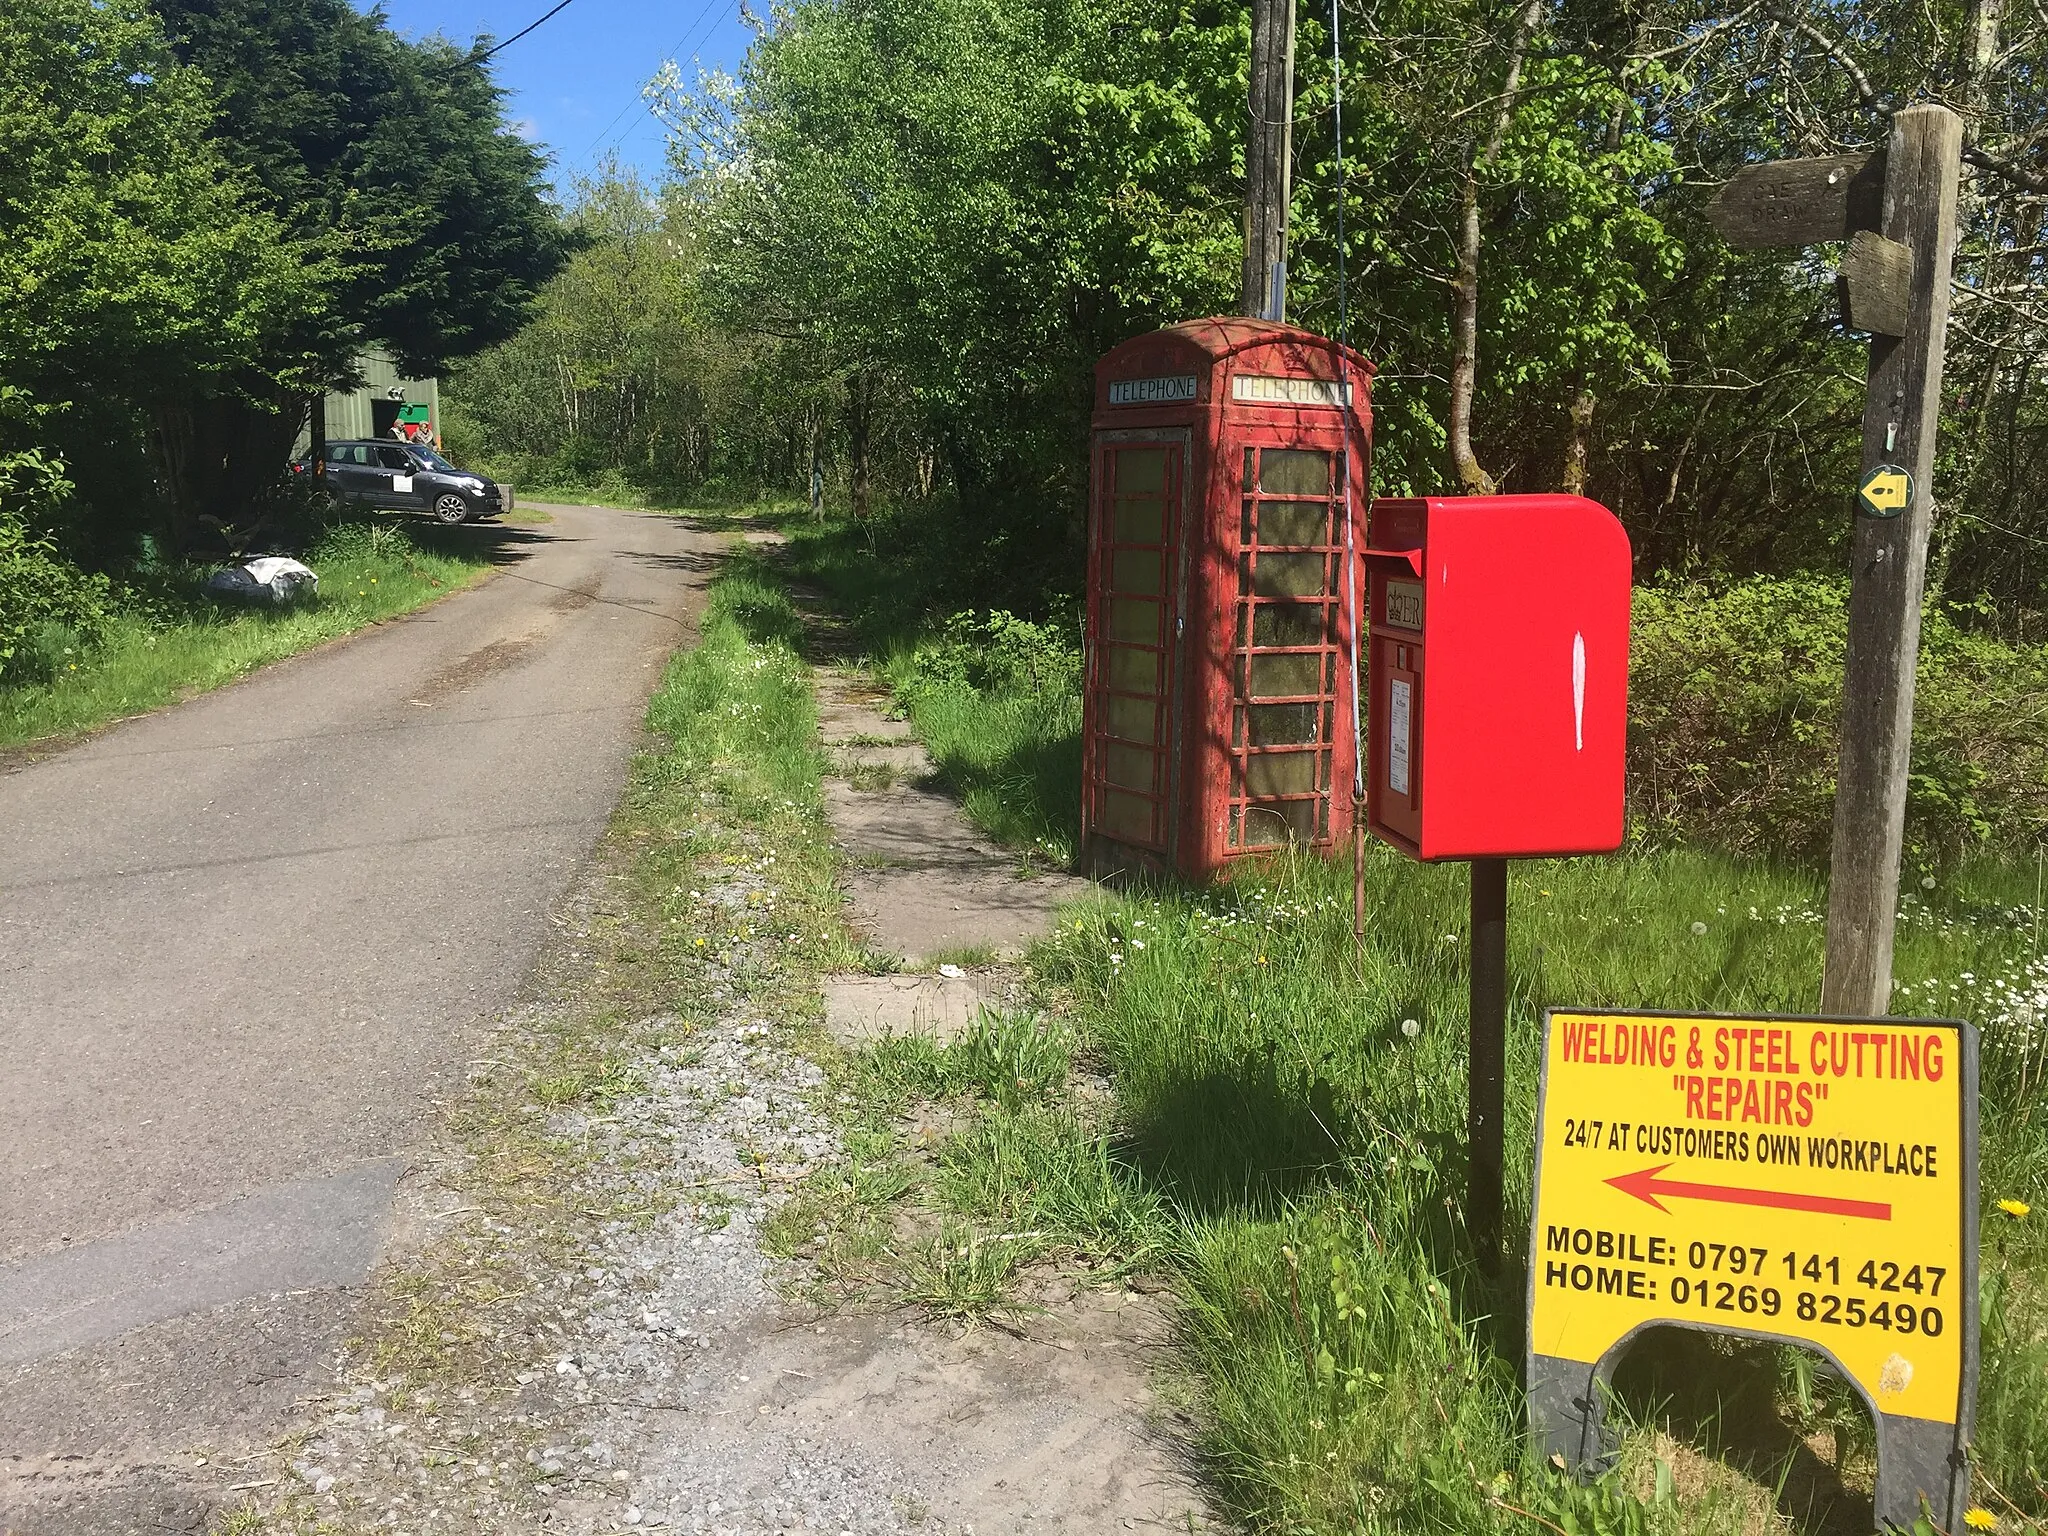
500	544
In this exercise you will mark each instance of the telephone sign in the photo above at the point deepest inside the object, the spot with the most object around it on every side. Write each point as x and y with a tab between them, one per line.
1810	1181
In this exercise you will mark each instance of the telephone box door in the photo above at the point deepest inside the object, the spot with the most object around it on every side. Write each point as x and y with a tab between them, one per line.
1133	756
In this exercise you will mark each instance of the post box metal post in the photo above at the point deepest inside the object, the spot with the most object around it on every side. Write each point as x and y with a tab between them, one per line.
1228	487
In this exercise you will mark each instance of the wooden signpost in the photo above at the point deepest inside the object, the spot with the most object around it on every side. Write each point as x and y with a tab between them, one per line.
1897	211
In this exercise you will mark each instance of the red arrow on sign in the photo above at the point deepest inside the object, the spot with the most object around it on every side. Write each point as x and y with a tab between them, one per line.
1646	1187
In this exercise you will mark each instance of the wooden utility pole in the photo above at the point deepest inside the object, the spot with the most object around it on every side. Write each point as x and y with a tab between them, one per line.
1268	160
1888	567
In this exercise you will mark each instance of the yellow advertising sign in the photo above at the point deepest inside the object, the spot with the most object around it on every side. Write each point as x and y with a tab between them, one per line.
1802	1179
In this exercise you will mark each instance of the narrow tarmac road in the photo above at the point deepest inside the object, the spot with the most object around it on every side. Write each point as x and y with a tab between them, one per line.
245	943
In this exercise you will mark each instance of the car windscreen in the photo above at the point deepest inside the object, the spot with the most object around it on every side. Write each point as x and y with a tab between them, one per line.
434	461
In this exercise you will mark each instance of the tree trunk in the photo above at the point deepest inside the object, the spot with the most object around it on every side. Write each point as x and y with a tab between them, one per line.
859	409
1580	448
1474	480
221	457
817	465
1981	25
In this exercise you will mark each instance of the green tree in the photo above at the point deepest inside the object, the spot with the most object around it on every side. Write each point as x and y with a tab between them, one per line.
137	267
959	204
392	172
618	372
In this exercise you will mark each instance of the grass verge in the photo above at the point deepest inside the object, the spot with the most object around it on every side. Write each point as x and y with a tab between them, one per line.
727	795
1272	1118
169	641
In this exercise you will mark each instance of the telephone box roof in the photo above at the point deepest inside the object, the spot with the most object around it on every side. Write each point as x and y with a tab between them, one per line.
1221	336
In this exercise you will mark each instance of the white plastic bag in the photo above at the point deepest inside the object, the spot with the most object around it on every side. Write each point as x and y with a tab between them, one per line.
271	579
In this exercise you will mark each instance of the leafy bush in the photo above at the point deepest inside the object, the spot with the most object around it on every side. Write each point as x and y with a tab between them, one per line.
1735	716
995	651
46	603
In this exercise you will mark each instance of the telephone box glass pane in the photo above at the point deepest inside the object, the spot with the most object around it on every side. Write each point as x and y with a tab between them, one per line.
1275	821
1290	624
1279	676
1132	719
1139	519
1132	618
1129	766
1135	570
1288	575
1133	671
1280	773
1282	725
1294	472
1294	522
1128	817
1140	469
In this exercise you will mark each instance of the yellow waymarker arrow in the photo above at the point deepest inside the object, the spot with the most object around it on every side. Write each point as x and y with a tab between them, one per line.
1888	490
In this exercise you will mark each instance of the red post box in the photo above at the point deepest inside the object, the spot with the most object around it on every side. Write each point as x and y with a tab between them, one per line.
1227	500
1499	675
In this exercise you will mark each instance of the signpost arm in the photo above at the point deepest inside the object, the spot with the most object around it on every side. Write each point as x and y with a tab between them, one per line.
1888	566
1485	1094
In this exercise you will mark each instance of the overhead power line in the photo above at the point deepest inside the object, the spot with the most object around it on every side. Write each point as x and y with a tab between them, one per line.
706	22
500	47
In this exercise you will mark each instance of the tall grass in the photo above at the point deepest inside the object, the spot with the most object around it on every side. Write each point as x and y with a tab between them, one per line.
1287	1131
1362	1372
167	640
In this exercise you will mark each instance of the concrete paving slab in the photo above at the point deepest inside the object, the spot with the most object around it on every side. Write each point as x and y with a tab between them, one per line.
859	1010
923	882
909	761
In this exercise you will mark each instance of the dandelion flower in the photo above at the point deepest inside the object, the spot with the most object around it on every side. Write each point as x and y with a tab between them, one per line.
1698	929
1410	1028
2014	1208
1979	1518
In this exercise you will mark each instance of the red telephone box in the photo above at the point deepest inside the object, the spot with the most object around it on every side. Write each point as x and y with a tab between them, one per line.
1228	483
1499	668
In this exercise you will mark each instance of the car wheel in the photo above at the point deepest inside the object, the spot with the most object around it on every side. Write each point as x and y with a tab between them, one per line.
451	508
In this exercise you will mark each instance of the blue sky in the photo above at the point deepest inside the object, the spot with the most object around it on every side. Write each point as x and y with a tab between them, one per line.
575	83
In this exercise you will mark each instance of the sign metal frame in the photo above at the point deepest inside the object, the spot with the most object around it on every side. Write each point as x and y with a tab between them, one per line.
1567	1398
